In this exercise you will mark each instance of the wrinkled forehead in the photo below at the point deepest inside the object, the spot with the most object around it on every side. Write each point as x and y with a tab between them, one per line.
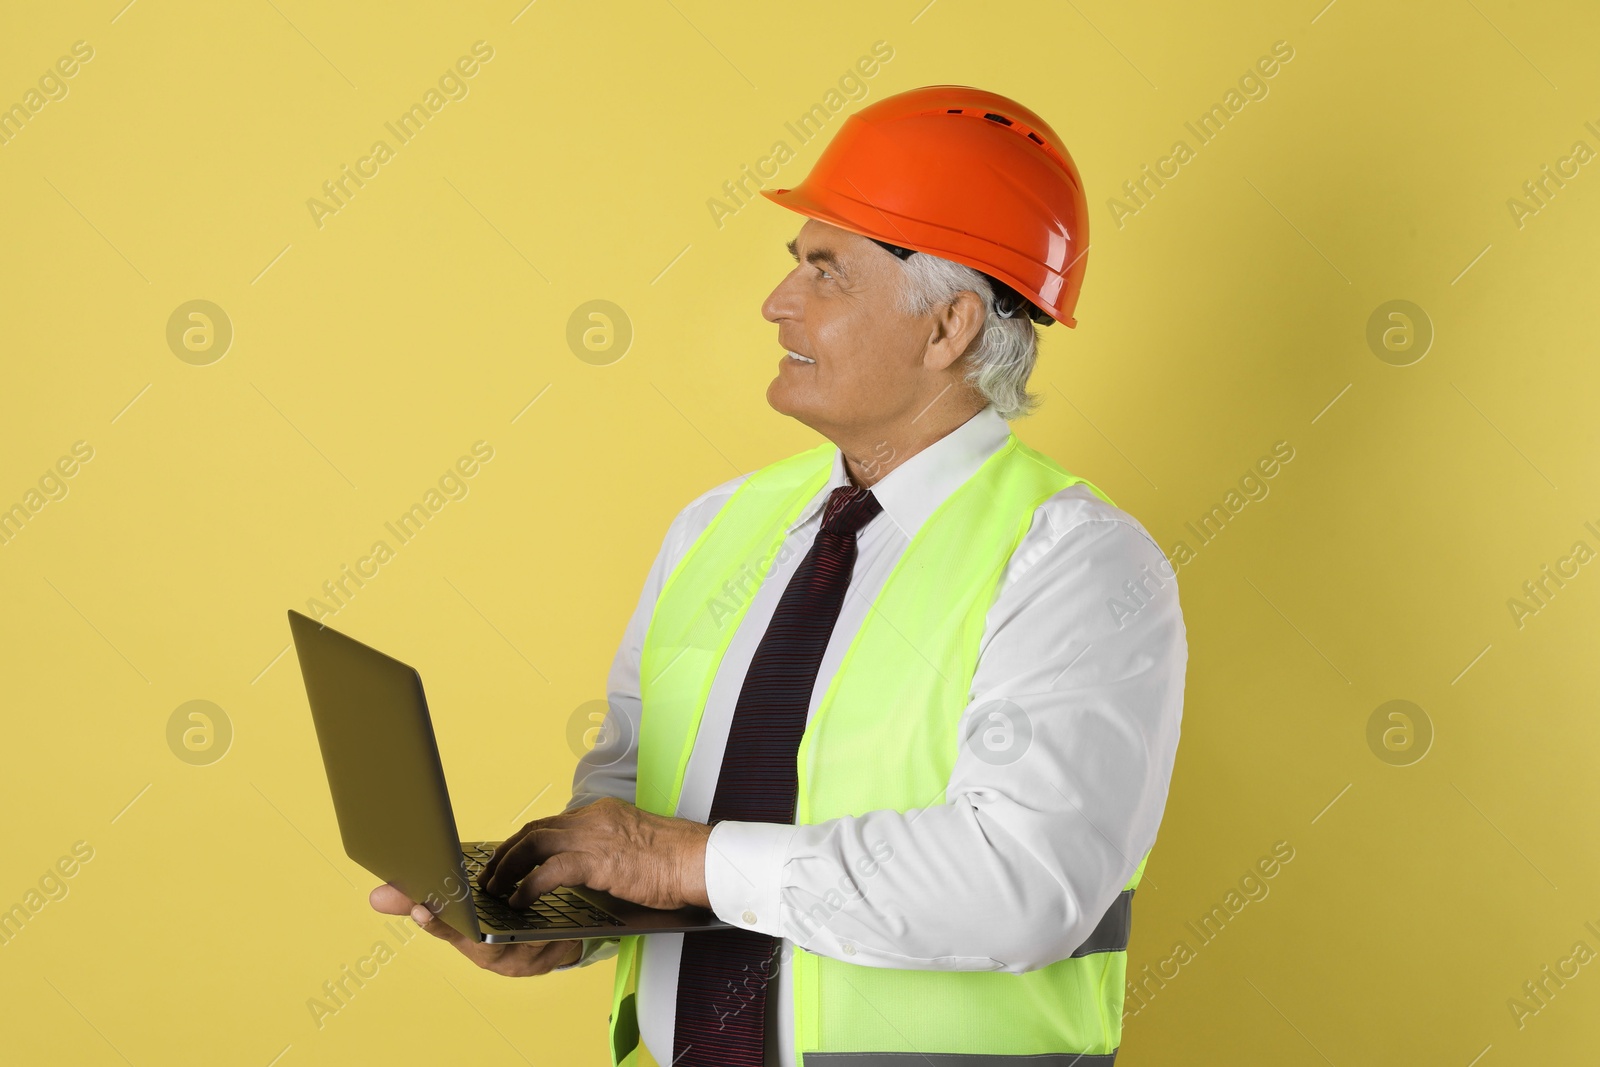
838	250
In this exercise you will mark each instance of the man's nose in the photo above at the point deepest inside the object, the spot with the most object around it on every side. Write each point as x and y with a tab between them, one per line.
782	302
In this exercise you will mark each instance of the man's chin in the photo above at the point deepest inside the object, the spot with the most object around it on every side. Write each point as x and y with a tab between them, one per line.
782	399
809	406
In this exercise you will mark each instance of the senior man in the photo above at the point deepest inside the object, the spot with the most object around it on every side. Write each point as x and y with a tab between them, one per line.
901	708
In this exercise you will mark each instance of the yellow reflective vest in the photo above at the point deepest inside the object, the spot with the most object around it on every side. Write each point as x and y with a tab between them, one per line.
915	653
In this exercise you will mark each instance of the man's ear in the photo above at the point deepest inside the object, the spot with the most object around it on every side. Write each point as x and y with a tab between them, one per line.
955	326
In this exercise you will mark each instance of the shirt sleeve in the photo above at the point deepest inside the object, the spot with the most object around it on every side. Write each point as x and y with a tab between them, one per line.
1057	792
611	767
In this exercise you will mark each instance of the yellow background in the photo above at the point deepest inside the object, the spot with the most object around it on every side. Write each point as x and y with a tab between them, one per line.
370	353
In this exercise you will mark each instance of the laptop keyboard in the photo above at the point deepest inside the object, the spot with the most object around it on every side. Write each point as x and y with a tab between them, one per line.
560	909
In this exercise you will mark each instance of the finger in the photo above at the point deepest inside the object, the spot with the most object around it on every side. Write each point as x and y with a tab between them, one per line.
564	868
546	956
534	848
506	868
390	900
444	931
562	953
530	958
511	842
500	851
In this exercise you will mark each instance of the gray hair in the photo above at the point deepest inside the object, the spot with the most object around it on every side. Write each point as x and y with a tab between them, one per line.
1002	356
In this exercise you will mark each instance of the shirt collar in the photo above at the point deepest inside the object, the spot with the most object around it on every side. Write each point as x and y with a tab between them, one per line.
914	490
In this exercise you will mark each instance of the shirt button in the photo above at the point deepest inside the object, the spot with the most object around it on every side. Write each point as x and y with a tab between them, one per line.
749	917
849	949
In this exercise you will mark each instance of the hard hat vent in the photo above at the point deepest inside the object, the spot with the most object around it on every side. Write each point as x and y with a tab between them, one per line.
1015	127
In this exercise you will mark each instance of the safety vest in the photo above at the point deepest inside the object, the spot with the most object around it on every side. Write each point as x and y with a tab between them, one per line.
915	653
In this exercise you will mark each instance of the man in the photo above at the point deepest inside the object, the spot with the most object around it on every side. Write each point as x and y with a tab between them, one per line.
902	708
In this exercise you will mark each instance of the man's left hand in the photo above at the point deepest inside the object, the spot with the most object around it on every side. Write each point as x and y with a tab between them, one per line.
608	845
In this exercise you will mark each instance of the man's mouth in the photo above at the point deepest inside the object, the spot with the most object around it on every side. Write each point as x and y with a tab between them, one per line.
799	358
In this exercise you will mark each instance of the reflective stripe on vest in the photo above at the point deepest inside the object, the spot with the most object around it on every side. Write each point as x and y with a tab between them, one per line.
1111	935
915	652
956	1059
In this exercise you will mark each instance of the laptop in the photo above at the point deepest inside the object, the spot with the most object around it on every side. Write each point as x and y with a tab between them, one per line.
394	812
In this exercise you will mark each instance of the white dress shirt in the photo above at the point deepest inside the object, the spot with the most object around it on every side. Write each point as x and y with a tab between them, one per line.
1033	841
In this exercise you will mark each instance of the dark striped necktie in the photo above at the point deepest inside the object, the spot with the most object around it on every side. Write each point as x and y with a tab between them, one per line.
723	974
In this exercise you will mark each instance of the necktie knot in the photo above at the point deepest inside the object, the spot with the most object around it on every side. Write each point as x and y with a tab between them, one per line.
848	509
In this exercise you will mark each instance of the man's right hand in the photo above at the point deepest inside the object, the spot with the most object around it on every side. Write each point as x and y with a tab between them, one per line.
519	959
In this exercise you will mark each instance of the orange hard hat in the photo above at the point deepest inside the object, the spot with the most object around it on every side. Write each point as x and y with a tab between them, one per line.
962	174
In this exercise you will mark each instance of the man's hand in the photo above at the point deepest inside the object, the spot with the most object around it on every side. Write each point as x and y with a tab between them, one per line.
520	959
609	845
